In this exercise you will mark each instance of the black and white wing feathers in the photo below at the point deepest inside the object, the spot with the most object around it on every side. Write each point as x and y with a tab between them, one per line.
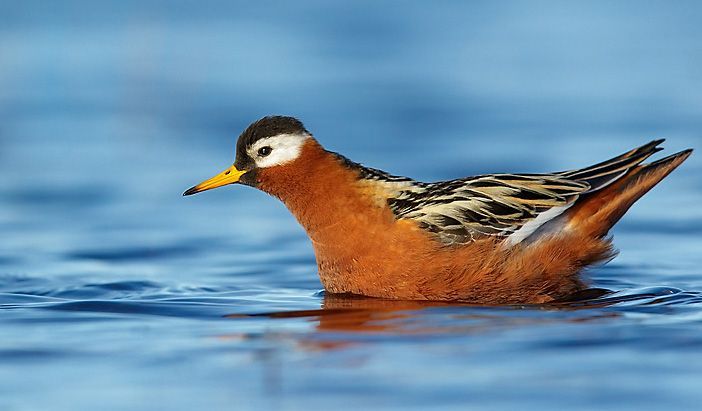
461	211
506	205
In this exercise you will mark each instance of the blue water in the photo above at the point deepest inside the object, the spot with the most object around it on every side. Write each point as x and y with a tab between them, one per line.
117	293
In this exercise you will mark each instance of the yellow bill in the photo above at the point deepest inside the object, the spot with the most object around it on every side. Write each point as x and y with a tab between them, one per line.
228	176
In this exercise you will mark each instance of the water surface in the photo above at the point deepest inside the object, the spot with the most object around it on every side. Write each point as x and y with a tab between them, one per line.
116	293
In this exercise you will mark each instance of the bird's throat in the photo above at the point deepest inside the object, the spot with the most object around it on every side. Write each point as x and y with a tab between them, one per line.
321	192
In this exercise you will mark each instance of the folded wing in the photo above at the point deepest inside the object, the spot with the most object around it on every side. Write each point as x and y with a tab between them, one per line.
513	206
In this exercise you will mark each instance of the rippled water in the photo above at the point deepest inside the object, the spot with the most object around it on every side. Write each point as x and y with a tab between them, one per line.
117	293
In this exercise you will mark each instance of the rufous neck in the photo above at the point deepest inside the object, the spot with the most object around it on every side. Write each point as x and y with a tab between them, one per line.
317	188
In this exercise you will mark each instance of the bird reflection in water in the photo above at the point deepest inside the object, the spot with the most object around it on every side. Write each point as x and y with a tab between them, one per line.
347	320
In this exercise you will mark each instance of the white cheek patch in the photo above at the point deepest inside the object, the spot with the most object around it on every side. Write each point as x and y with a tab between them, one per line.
285	148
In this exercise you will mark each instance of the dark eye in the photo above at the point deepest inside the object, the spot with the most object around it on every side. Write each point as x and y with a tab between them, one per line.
264	151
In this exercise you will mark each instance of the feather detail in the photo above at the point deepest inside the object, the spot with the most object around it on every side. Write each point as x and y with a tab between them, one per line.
513	206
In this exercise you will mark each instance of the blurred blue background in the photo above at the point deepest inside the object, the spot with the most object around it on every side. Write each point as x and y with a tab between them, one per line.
113	287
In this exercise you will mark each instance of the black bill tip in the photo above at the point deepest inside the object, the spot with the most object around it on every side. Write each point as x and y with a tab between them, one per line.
191	191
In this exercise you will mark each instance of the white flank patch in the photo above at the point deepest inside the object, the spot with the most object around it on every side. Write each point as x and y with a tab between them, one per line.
285	148
530	227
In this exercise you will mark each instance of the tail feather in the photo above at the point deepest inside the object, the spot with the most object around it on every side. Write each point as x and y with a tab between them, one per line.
606	172
595	213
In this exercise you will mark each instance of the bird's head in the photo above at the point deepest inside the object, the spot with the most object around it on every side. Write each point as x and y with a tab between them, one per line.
267	143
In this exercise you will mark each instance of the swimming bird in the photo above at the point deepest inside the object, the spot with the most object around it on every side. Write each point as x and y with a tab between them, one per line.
488	239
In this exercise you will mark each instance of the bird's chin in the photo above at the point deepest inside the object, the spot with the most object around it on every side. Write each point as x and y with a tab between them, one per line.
250	178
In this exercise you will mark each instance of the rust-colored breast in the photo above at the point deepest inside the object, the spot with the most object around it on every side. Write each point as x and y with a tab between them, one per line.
359	245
